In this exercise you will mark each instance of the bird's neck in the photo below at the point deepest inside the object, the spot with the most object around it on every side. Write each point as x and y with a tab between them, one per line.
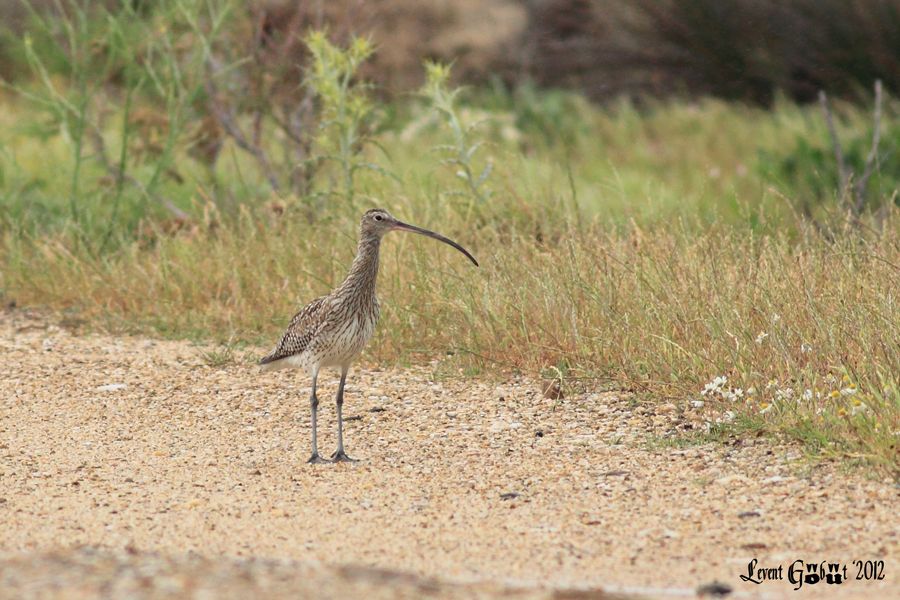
364	270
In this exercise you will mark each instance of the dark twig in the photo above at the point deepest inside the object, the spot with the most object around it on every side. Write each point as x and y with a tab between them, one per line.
119	174
843	174
298	126
286	127
227	121
853	194
872	158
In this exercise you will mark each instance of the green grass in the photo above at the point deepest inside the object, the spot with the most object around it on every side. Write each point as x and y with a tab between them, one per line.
718	433
651	250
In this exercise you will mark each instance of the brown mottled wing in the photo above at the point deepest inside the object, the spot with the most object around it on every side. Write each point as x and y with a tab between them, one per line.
298	334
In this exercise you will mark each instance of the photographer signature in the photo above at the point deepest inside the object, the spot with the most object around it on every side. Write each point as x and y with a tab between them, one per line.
801	572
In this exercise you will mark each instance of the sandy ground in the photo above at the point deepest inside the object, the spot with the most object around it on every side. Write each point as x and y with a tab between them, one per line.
131	462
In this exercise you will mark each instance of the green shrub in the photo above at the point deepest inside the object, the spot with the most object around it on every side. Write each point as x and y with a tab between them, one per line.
347	115
459	155
809	169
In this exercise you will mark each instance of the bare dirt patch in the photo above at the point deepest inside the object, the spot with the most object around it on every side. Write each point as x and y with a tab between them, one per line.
140	450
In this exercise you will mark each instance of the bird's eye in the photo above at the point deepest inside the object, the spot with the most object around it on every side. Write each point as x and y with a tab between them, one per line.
378	217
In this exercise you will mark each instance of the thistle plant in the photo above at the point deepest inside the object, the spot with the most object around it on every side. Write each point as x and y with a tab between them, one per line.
347	113
461	152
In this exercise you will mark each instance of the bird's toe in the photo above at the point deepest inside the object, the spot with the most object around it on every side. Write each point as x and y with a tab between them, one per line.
341	456
315	459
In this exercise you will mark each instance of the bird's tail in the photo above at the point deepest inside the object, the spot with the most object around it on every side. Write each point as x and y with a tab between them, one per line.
269	363
274	362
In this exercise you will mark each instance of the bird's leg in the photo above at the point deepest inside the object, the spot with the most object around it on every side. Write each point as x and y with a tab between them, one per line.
339	454
314	407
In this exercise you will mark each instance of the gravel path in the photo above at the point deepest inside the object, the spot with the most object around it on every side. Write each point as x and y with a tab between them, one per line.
143	453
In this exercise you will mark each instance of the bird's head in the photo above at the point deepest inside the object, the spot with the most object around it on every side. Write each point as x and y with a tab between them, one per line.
377	222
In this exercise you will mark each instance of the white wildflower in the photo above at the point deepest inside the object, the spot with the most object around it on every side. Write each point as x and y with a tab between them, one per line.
805	348
761	337
714	386
732	395
807	394
776	317
784	393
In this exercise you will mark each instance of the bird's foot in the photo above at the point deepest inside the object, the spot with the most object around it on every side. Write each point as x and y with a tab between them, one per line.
341	456
315	459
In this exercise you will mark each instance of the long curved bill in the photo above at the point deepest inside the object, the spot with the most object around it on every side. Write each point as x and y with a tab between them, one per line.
401	226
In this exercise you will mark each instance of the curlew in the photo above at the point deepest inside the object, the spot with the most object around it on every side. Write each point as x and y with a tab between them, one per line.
332	330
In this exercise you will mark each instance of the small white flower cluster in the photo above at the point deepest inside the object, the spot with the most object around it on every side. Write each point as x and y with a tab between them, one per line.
734	394
714	386
844	398
717	387
784	394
